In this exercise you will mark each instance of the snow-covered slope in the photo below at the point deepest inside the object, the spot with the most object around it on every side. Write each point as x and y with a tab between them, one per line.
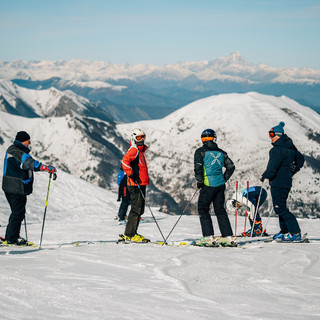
80	146
113	281
85	147
242	122
233	68
44	103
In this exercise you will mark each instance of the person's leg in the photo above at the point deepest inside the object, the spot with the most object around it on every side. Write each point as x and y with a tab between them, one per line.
123	207
220	211
288	222
17	204
137	209
204	201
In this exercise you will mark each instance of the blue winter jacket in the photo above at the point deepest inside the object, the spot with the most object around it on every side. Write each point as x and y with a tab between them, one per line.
18	169
284	161
209	162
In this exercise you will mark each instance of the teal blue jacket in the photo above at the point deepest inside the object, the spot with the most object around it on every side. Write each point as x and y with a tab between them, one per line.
209	161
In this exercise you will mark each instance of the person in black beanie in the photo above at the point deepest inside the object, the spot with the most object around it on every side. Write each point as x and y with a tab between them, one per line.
17	183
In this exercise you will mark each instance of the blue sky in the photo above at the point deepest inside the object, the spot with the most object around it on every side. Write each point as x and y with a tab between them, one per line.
279	33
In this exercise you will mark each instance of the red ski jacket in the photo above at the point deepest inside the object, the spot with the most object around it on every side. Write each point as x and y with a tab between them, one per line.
134	163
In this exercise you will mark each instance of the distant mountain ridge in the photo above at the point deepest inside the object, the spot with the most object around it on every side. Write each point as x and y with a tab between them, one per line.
233	67
144	91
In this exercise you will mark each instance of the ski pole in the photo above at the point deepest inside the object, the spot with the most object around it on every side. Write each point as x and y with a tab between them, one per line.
246	214
154	218
46	205
25	228
181	215
236	212
256	211
265	226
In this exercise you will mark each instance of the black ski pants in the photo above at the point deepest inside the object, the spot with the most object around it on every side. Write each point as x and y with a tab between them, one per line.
216	196
125	202
137	209
17	204
287	221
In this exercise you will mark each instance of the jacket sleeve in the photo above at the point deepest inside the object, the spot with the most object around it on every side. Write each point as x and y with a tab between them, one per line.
230	167
273	164
28	163
298	161
132	153
198	165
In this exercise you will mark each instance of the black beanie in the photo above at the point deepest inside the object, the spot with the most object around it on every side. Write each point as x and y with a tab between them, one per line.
22	136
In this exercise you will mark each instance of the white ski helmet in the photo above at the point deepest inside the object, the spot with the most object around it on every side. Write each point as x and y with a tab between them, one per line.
137	135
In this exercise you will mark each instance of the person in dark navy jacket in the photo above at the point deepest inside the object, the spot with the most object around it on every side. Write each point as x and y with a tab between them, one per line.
209	161
284	162
17	183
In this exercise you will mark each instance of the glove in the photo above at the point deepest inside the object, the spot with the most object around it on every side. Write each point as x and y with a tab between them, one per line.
293	169
118	199
262	178
200	185
50	169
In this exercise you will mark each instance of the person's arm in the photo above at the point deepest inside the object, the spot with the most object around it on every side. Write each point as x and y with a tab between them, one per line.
198	165
230	167
273	164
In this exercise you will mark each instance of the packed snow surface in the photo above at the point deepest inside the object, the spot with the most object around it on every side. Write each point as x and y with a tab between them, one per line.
118	281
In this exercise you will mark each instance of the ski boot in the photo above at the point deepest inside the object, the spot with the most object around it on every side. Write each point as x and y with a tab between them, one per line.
279	236
19	242
227	241
122	222
257	230
209	241
137	238
288	237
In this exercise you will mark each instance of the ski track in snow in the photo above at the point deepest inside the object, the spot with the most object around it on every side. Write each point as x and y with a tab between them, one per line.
105	280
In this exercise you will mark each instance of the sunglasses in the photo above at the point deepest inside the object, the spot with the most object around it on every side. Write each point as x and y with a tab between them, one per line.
139	138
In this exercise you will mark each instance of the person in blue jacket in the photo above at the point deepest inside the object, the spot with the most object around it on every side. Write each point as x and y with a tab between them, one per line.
209	161
284	162
17	183
123	196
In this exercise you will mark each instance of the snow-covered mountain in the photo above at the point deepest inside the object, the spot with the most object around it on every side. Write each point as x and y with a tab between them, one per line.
85	146
45	103
152	92
242	122
233	67
92	148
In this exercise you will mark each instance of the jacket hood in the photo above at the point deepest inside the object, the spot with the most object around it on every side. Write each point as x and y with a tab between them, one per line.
284	142
20	145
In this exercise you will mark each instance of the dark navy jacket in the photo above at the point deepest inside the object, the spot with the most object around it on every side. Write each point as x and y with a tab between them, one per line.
284	161
208	163
18	169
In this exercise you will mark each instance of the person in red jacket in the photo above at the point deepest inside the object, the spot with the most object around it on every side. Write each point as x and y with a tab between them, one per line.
135	166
